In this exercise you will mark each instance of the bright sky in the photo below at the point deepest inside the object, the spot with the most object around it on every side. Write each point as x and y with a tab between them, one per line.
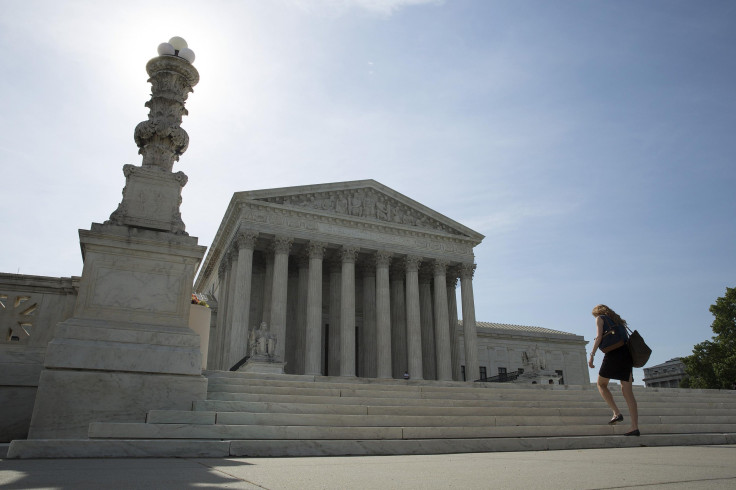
592	143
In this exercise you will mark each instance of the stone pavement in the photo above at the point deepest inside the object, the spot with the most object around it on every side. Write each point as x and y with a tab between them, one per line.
690	467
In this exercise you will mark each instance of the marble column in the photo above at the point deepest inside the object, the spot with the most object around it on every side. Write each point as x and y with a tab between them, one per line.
443	348
398	321
453	317
313	337
228	331
226	312
383	315
472	372
214	361
367	347
426	315
238	345
267	287
281	246
257	292
333	343
413	318
347	311
292	297
301	310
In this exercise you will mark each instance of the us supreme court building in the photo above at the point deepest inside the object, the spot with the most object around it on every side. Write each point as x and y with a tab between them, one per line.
350	279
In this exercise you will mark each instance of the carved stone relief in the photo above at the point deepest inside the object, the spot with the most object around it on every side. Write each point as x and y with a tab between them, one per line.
363	203
17	312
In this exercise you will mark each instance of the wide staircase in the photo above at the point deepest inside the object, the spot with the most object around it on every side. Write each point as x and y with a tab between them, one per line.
283	415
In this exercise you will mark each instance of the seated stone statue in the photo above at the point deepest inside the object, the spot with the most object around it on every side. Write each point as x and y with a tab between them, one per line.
262	343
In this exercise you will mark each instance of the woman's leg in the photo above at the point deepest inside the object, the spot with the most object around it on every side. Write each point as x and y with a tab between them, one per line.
606	394
627	390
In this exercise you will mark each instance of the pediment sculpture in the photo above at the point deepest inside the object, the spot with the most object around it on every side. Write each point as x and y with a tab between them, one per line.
363	203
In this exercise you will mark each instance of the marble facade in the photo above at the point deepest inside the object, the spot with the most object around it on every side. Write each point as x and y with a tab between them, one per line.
669	374
508	348
353	279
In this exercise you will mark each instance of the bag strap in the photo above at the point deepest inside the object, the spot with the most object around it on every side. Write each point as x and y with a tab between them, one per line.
609	323
613	325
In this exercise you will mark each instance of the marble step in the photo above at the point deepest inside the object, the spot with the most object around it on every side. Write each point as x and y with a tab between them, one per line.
216	383
196	448
422	392
438	402
229	376
240	376
118	448
407	392
598	409
490	397
116	430
218	378
296	448
394	420
535	402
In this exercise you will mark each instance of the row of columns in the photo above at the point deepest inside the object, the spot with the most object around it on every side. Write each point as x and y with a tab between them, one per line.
408	317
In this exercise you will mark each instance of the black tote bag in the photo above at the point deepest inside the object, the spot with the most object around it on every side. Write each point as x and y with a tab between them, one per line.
639	349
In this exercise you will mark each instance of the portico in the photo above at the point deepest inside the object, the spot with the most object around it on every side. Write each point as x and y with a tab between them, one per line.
352	278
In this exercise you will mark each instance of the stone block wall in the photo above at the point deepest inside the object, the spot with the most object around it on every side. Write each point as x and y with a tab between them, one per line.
30	308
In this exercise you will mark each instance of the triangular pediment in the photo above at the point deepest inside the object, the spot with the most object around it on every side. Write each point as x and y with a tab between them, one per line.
361	199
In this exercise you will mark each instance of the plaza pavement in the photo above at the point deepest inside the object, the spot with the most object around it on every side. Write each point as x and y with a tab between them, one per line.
682	467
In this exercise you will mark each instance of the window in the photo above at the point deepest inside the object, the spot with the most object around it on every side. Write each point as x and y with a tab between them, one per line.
483	373
562	378
501	373
462	371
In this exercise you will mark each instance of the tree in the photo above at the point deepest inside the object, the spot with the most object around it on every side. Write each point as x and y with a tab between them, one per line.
713	362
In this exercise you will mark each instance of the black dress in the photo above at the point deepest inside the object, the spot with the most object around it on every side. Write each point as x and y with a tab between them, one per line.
617	364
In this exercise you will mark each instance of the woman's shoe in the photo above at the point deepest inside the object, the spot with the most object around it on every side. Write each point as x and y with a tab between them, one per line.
616	419
634	432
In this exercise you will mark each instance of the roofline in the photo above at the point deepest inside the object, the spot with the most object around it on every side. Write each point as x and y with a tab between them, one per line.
522	329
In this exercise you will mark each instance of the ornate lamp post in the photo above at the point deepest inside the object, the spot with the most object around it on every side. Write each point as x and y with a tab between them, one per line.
152	192
128	348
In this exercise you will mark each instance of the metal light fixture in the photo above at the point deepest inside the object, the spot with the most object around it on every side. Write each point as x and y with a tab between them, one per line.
176	46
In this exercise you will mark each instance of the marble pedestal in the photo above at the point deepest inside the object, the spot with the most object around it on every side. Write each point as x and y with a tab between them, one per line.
541	377
255	365
199	322
128	348
151	199
68	401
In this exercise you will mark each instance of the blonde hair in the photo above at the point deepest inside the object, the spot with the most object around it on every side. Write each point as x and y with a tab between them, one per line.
605	310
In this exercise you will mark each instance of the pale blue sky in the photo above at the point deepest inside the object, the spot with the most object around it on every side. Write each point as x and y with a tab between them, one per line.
593	143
